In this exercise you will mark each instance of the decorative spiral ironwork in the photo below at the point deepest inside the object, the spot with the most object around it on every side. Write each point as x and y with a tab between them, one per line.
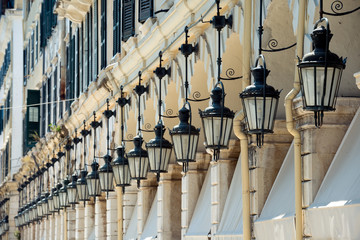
272	44
336	6
147	126
169	112
196	95
230	72
130	136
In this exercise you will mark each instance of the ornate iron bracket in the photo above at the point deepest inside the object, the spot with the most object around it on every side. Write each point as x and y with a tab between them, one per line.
230	72
336	6
273	43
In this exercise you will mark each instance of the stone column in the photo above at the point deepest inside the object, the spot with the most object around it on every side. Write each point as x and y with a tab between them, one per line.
169	203
71	223
13	207
319	145
190	188
89	219
111	217
265	163
100	218
52	226
129	202
62	225
145	199
58	226
221	175
17	90
80	221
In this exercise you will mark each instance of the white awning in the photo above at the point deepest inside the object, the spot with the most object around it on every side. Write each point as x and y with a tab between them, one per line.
131	232
200	223
231	221
335	212
276	220
150	229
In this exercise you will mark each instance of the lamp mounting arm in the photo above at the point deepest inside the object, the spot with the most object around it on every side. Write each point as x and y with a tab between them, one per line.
336	6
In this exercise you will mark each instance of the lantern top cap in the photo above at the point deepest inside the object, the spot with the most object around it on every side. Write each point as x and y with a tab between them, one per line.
321	40
159	139
121	159
183	126
94	173
216	109
137	151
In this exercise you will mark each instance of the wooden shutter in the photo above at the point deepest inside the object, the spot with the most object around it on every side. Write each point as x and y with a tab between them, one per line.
37	42
55	95
32	117
43	110
116	26
85	53
128	19
146	9
25	66
90	32
103	33
32	48
96	40
49	100
43	25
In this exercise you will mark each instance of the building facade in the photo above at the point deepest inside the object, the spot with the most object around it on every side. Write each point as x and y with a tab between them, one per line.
65	64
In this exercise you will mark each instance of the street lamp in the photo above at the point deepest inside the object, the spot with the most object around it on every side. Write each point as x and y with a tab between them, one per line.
260	103
81	186
56	197
72	190
121	168
92	180
44	205
138	160
159	149
320	74
63	195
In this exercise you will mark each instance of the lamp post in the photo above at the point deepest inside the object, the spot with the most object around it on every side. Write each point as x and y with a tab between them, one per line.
159	149
106	174
71	188
81	183
138	157
217	119
92	179
121	164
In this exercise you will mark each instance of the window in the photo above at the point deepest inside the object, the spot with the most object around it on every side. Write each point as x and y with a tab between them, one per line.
55	96
96	41
128	23
36	42
86	52
48	21
103	34
32	50
116	26
33	114
49	100
90	42
146	10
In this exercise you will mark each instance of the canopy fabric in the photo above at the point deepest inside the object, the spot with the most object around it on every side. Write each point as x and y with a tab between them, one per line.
231	221
200	223
150	228
335	212
276	220
131	232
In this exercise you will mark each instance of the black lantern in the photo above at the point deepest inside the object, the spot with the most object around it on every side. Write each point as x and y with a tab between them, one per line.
217	121
38	208
72	190
63	194
51	201
26	213
106	175
6	221
81	186
121	168
92	180
16	219
185	137
44	205
159	150
56	197
34	213
260	103
138	160
320	74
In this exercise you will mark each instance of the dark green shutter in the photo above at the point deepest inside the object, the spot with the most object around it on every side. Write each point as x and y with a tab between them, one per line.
90	31
146	10
116	26
55	96
96	39
128	19
25	66
103	34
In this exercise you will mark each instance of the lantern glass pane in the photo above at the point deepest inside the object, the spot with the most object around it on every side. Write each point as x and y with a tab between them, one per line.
106	181
212	128
72	195
185	146
83	192
93	187
121	174
313	85
64	200
27	215
158	163
256	117
51	204
138	167
45	209
39	210
56	200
